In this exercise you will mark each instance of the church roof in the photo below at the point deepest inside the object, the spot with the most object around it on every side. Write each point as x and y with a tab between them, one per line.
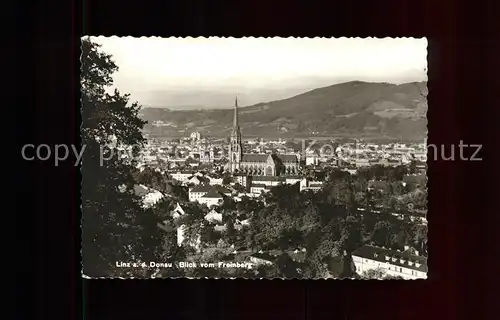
285	158
249	157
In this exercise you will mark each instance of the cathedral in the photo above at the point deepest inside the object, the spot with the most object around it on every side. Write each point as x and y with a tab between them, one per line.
257	164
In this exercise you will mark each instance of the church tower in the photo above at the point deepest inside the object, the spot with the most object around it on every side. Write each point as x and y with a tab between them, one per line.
235	149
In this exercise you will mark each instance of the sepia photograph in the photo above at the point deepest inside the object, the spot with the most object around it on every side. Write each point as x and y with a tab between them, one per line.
254	158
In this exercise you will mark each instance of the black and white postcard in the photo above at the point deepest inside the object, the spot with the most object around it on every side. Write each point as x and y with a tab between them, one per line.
292	158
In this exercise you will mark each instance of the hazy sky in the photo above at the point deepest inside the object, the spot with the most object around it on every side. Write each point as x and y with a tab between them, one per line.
164	71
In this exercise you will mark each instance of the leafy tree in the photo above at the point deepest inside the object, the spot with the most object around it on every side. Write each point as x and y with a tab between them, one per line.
419	199
382	234
409	187
209	236
316	266
390	202
221	244
267	271
311	220
178	191
413	167
348	267
163	208
377	273
290	238
238	187
390	277
341	193
115	226
230	233
193	232
152	178
337	174
419	237
214	254
351	234
361	199
287	267
228	205
227	180
247	206
369	221
396	188
284	196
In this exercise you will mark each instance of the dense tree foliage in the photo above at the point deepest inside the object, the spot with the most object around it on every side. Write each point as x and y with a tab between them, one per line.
152	178
115	226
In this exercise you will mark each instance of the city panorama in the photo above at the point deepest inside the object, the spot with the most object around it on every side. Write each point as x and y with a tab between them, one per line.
254	158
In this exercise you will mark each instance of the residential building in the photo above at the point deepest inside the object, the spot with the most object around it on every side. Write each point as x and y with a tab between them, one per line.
245	222
293	180
194	180
212	198
242	179
407	264
213	216
198	192
181	238
182	176
220	228
362	163
149	196
270	181
306	184
258	188
312	160
261	259
178	211
214	181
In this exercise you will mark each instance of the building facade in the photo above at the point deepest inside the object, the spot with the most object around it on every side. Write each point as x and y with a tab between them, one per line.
196	193
407	264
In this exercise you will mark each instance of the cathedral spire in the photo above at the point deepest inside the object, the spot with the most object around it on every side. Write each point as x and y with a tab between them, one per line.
235	148
235	119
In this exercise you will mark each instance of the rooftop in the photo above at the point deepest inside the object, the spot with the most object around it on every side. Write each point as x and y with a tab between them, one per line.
267	178
212	194
140	190
258	185
402	259
249	157
209	188
222	189
201	188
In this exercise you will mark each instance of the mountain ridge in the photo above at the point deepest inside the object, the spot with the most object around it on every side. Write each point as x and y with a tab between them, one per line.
354	108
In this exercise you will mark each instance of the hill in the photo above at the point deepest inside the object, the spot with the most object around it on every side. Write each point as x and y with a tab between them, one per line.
352	109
